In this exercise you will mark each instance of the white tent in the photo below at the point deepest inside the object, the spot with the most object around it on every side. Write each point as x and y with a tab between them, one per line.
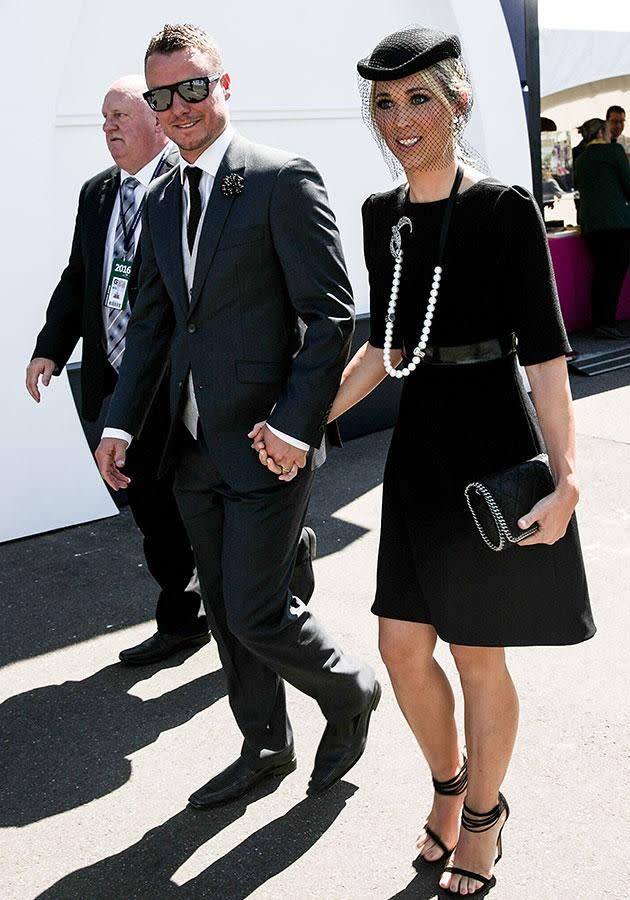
582	42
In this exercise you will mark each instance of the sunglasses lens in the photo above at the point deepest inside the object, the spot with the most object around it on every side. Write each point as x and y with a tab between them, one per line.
160	99
193	91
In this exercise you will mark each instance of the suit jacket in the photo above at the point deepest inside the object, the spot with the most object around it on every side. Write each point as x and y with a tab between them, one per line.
602	176
269	263
75	308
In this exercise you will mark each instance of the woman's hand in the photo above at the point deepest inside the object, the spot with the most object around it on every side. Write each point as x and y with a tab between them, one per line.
553	514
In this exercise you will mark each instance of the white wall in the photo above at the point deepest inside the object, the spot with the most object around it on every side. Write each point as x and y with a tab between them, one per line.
294	86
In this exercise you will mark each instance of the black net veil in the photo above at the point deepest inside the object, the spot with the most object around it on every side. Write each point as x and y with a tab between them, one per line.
416	99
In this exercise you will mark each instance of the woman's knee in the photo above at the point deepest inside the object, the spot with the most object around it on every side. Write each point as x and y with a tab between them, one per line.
478	663
405	645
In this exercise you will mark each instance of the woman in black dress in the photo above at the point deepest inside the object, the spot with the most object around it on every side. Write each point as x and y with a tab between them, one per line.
472	281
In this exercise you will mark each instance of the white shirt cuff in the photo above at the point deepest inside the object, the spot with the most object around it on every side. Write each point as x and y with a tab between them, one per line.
117	433
288	439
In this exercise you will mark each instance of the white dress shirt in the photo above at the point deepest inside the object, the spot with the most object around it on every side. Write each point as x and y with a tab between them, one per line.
209	162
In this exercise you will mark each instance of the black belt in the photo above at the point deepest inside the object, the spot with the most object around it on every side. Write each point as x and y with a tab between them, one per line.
465	354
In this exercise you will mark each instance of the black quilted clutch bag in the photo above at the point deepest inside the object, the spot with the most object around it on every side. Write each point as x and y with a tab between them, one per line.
499	500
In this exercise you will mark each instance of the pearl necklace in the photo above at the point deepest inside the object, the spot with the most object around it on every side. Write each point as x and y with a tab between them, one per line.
418	353
395	247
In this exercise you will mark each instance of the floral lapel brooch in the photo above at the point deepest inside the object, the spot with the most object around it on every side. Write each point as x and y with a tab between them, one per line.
233	185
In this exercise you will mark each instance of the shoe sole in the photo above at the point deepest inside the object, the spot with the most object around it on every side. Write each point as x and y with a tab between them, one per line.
193	643
277	772
312	542
313	791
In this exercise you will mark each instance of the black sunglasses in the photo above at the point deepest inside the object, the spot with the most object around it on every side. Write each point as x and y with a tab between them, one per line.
193	90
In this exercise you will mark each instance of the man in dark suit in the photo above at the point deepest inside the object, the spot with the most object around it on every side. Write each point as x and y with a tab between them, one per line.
244	287
141	151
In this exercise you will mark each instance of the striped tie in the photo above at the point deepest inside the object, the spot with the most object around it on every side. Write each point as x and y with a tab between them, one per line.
118	319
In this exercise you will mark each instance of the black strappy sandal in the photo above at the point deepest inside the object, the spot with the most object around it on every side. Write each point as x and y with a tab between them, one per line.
478	822
454	786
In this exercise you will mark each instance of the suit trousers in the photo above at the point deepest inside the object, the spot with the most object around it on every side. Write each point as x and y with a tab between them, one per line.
167	549
610	251
245	545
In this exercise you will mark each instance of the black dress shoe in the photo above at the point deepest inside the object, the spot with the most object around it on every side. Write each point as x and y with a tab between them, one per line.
342	746
160	646
303	579
239	778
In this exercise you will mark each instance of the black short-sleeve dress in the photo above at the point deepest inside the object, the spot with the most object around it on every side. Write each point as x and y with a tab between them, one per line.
458	422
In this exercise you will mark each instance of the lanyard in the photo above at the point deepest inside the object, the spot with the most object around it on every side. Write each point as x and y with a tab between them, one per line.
128	234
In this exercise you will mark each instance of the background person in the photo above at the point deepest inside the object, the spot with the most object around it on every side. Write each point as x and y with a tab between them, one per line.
107	228
551	190
602	177
476	250
616	122
240	247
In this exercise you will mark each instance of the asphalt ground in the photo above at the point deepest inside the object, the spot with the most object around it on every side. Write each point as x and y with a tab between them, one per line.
97	760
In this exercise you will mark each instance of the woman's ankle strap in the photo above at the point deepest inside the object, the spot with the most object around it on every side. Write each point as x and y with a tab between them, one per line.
455	785
483	821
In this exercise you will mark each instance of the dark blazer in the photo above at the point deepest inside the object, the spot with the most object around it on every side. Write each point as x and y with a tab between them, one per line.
602	176
75	308
269	263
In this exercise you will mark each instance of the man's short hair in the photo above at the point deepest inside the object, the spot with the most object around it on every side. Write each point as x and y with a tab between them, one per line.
184	37
615	109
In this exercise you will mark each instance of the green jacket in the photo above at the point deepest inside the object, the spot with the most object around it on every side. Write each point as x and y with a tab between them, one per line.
602	176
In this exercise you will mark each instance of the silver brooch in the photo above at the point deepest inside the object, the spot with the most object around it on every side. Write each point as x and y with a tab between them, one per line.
233	185
395	245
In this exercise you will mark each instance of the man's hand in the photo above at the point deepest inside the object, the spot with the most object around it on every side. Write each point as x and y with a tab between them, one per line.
110	456
275	454
39	367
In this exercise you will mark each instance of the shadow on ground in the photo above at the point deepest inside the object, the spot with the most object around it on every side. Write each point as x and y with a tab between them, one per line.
424	885
145	870
586	342
64	745
67	586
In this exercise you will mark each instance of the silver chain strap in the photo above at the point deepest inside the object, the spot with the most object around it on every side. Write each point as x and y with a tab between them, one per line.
497	516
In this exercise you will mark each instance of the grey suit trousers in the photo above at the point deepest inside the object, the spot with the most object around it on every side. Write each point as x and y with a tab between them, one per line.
245	546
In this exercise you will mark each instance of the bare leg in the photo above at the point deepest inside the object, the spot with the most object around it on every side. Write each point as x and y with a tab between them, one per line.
491	721
426	700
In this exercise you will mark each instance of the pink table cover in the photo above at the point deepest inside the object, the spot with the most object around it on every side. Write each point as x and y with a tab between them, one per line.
573	270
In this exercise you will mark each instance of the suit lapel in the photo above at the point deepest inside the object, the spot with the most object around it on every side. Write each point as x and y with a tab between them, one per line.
106	202
169	240
217	211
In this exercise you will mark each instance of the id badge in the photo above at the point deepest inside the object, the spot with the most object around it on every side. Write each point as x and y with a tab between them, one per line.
118	284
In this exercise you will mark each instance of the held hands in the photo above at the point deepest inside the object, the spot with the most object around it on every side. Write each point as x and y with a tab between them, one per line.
281	458
553	514
39	367
110	456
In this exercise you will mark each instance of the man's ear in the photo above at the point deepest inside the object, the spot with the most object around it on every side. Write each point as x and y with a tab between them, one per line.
225	84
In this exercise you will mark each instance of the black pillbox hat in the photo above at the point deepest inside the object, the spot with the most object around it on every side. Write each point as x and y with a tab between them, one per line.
407	52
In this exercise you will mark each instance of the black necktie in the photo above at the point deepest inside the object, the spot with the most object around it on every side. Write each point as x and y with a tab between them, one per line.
193	174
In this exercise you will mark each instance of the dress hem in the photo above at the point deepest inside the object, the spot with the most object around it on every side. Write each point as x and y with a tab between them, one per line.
566	642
